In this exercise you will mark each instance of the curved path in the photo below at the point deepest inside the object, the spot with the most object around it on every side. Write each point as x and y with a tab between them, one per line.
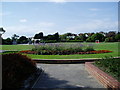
65	76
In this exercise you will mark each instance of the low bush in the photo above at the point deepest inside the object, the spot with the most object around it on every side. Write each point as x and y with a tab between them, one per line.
15	69
110	65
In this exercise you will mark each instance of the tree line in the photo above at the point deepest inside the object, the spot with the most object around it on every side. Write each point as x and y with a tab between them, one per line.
110	36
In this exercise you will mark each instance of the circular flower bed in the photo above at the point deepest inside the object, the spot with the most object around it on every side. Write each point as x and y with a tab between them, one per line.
64	52
63	49
28	52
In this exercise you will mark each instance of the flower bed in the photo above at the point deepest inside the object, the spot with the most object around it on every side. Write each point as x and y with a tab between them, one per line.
28	52
63	49
65	52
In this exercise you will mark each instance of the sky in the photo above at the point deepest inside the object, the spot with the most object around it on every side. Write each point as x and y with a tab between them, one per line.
29	18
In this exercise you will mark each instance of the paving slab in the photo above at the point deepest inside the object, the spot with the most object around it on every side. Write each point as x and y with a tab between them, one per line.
65	76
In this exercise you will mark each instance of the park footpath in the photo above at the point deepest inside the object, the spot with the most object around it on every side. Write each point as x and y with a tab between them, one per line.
65	76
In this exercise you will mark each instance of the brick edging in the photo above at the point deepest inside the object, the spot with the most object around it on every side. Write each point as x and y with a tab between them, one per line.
106	80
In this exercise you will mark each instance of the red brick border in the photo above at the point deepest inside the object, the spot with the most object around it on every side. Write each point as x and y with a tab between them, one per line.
102	77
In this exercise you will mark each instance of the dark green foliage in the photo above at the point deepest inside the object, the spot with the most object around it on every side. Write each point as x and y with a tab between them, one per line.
97	36
22	40
51	38
38	36
117	37
56	36
110	36
7	41
15	69
107	39
89	39
110	65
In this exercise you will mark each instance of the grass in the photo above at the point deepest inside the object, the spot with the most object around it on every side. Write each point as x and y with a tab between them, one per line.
97	46
16	47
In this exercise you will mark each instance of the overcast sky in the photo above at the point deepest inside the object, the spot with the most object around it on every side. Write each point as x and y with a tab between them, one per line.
29	18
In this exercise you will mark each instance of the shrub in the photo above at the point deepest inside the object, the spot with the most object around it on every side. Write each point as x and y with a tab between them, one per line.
110	65
107	40
15	69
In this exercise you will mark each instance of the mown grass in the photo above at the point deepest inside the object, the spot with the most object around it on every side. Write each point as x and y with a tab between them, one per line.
97	46
16	47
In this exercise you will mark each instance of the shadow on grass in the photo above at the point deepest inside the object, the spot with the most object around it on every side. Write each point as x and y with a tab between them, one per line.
47	82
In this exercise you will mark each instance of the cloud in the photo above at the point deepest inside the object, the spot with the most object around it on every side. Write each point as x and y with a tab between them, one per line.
58	1
94	26
50	28
29	30
94	9
23	20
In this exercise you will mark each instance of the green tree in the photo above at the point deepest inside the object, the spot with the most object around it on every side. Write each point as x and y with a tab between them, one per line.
14	38
38	36
2	31
22	40
89	39
82	37
7	41
56	36
117	37
97	36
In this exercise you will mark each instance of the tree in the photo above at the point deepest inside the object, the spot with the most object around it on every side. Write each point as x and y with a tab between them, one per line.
38	36
56	36
97	36
7	41
14	38
63	37
2	31
111	34
82	37
117	37
22	40
89	39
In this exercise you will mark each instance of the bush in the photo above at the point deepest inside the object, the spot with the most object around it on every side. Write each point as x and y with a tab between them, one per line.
15	69
110	65
107	40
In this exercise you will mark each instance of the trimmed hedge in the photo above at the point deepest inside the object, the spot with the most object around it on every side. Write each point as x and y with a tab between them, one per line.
15	69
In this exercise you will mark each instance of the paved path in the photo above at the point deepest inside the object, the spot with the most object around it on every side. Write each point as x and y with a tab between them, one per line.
1	51
66	76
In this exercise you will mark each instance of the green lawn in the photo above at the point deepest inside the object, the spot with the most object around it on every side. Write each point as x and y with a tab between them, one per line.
97	46
16	47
